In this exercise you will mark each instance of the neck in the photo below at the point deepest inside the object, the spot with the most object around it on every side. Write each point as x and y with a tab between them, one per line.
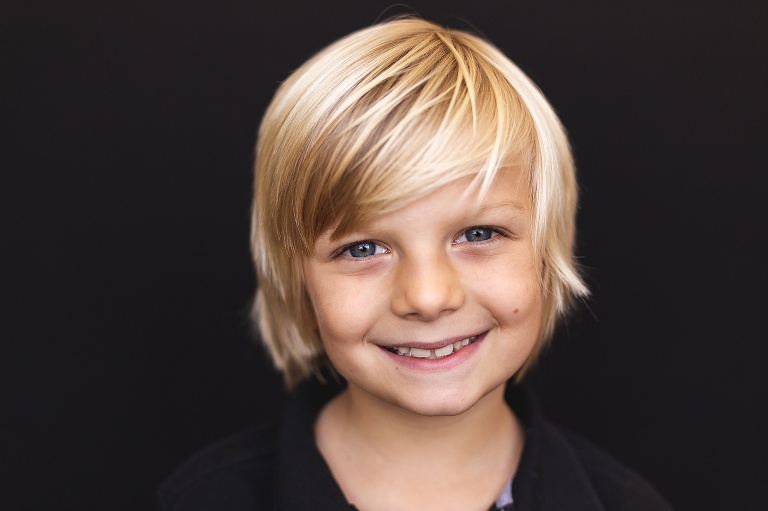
365	439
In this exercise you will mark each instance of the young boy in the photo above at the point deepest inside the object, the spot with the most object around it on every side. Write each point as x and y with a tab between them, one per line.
413	231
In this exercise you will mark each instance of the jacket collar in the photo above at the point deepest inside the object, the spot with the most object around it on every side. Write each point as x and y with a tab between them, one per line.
550	476
304	480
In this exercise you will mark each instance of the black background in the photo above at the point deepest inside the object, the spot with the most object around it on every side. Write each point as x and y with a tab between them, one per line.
125	175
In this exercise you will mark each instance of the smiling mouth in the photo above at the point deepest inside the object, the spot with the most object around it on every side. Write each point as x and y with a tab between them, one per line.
448	349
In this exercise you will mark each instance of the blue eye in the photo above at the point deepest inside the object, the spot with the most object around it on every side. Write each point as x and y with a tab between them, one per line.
476	234
364	249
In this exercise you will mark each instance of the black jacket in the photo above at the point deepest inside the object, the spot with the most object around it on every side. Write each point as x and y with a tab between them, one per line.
279	468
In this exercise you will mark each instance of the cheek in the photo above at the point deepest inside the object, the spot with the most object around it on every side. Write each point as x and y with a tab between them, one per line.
514	298
343	311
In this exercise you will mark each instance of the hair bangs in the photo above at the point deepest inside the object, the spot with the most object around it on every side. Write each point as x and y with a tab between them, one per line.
440	113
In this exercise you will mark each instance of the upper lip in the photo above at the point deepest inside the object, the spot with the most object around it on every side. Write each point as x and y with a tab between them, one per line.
428	345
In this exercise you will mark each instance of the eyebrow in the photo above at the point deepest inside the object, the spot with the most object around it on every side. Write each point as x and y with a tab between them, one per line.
499	205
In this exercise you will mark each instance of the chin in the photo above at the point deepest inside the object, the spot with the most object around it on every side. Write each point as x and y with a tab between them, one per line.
447	410
446	405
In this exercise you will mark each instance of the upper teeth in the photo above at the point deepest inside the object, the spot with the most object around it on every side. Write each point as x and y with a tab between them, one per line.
435	353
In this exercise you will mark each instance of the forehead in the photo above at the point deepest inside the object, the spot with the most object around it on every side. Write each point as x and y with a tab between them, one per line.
461	200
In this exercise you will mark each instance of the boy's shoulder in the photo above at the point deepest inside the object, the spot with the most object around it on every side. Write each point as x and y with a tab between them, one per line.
572	469
561	470
235	473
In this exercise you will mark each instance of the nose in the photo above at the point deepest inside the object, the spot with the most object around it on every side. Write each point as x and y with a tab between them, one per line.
426	289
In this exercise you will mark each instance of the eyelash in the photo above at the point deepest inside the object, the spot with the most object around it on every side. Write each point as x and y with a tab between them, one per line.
493	230
342	252
346	248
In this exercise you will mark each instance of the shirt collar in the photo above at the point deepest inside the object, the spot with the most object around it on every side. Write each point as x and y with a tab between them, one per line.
305	482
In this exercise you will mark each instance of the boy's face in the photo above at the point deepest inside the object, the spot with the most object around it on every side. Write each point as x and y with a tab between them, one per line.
431	307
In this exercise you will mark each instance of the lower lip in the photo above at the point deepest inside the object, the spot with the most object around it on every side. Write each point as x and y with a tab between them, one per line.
438	364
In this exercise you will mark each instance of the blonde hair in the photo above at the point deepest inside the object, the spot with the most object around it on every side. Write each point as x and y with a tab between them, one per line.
381	117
